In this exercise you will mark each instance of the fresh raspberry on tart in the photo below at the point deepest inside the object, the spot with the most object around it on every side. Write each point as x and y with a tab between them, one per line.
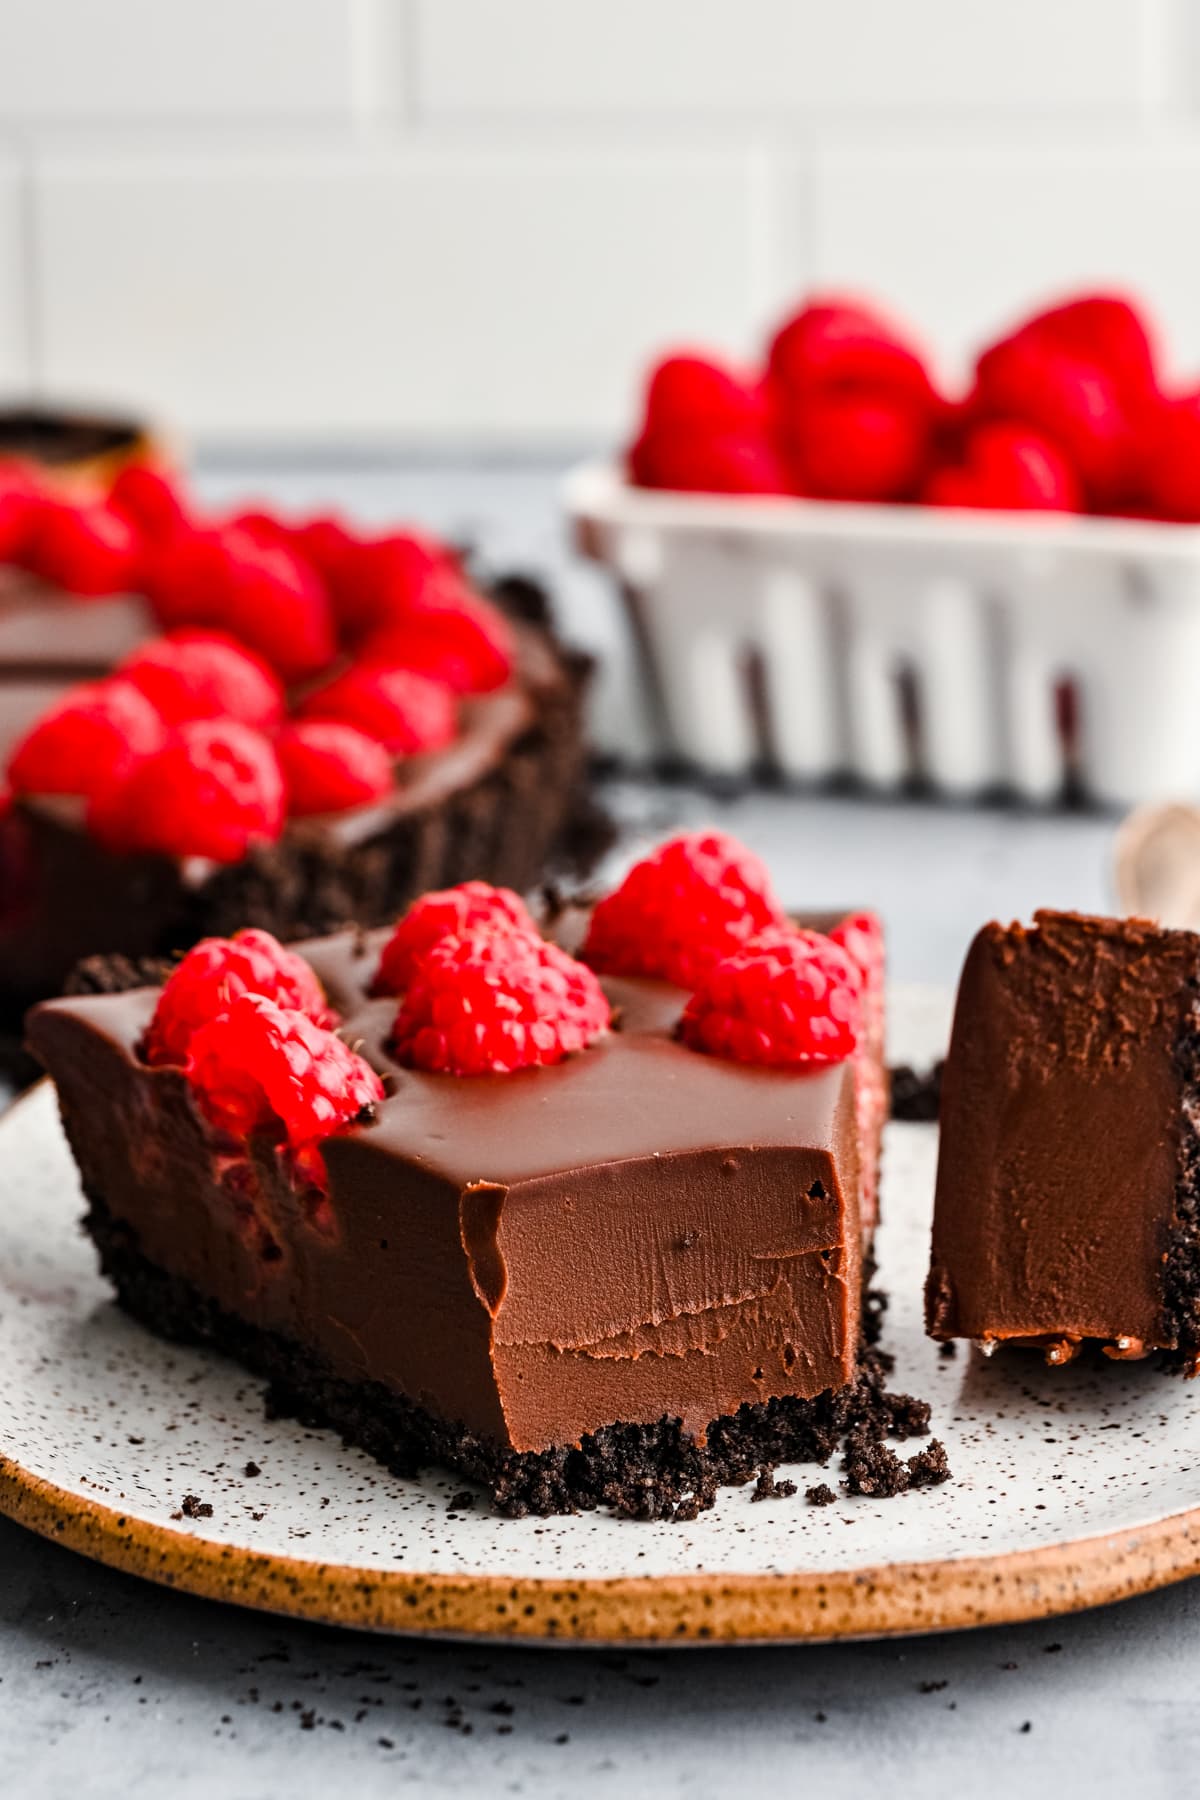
860	935
787	998
681	909
235	580
329	766
150	500
451	912
213	790
88	550
405	711
495	1002
87	740
262	1068
206	675
214	973
376	582
450	635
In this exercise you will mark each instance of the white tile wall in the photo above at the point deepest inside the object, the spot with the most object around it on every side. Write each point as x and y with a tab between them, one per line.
447	294
473	219
175	60
541	57
15	363
962	243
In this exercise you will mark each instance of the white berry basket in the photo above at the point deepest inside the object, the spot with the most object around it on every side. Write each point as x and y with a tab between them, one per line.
975	651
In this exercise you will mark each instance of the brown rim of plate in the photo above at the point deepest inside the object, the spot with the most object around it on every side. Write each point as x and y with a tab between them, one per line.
897	1600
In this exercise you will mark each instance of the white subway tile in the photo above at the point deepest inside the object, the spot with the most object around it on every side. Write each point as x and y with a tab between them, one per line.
15	369
543	57
962	242
429	293
130	60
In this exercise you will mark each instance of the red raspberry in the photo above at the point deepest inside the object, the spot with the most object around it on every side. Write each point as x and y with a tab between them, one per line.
258	590
473	907
214	974
1072	402
860	935
263	527
84	549
1172	466
1109	331
86	740
328	545
376	582
1007	467
149	499
742	464
213	791
403	710
677	913
259	1067
451	635
329	766
688	394
837	345
206	675
788	997
852	448
20	502
492	1002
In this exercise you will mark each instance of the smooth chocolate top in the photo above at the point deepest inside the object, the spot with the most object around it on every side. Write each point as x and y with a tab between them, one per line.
1062	1110
638	1230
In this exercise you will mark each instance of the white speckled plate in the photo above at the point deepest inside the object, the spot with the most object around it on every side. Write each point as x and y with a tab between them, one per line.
1071	1486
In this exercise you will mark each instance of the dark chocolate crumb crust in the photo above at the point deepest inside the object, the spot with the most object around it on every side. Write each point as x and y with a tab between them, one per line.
917	1093
638	1471
1181	1275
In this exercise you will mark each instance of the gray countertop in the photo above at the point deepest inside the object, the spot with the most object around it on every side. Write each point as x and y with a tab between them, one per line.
109	1686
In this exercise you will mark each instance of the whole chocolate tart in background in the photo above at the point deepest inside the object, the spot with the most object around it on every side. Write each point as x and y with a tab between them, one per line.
506	801
619	1280
1068	1189
74	442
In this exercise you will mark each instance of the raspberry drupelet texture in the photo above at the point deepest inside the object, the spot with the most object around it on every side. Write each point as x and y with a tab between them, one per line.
259	1067
228	579
217	972
329	766
206	675
213	790
494	1002
450	635
677	913
406	712
450	912
789	997
149	498
87	549
87	741
861	937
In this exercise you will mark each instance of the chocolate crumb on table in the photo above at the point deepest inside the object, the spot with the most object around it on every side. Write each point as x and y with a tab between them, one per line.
917	1093
767	1488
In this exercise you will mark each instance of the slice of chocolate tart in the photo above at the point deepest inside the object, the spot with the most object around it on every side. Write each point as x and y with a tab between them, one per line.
1068	1189
589	1243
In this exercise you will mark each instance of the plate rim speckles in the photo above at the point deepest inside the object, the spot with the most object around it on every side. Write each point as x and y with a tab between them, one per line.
779	1588
882	1600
